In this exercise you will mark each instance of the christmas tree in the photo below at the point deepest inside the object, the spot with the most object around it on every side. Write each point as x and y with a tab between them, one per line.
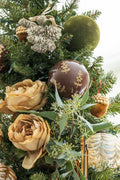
53	92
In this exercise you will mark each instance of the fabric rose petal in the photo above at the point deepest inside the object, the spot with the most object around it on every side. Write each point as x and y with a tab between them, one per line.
25	95
30	133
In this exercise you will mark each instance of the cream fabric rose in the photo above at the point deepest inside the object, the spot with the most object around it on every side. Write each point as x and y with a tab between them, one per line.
3	107
25	95
30	133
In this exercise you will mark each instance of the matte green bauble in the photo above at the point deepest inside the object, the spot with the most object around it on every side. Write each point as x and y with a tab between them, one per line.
85	32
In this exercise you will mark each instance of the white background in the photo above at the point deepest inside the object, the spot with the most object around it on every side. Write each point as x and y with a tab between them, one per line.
109	45
109	24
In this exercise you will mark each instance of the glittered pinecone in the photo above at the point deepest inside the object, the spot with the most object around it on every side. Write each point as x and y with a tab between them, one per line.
36	31
40	48
53	33
3	59
6	173
41	20
21	32
26	23
51	45
100	109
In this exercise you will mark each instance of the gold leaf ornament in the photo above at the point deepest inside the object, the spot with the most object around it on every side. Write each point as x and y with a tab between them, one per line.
30	133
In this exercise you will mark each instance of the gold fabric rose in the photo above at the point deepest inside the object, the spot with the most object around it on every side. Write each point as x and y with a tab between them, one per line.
30	133
25	95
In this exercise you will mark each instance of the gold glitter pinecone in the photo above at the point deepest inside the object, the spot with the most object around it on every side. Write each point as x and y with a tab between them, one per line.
21	32
99	110
6	173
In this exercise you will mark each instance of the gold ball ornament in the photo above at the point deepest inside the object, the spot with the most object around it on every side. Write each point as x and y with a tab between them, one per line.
99	110
21	32
85	32
71	78
6	173
103	151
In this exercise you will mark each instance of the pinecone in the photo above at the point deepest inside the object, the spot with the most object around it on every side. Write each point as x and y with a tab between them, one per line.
3	52
36	30
6	173
40	48
26	23
22	33
53	32
36	39
41	19
51	45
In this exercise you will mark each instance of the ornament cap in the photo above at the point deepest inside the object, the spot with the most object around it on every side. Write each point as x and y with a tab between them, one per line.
21	30
100	99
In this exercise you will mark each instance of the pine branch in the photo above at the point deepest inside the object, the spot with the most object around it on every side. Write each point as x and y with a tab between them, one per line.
96	66
93	14
39	175
68	7
114	107
107	174
108	81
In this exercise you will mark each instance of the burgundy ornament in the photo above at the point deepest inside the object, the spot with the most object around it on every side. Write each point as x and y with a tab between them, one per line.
71	78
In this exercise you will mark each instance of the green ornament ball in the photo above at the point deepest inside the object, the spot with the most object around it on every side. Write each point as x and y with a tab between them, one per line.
85	32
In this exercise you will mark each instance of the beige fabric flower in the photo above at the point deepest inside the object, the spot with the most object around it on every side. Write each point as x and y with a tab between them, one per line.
3	107
30	133
25	95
